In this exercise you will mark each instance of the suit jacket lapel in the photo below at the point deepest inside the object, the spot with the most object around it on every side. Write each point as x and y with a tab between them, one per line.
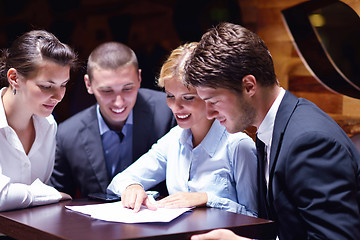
141	120
91	140
286	109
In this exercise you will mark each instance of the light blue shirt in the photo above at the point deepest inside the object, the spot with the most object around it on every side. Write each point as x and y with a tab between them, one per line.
118	154
223	165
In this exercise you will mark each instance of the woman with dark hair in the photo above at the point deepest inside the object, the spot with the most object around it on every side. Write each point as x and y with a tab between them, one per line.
36	69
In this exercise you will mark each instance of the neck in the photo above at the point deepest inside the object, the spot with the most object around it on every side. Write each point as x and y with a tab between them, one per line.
266	99
16	117
200	130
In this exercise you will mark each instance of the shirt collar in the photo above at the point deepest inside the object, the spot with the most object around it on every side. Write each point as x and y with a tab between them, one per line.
3	120
211	140
266	128
103	127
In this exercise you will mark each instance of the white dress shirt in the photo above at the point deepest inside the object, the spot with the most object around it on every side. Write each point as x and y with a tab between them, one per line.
223	165
22	176
266	129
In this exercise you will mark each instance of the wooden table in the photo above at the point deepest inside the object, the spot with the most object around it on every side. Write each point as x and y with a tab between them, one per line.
54	221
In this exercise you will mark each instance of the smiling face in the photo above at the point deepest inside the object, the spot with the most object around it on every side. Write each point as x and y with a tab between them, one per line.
186	105
115	92
42	91
228	107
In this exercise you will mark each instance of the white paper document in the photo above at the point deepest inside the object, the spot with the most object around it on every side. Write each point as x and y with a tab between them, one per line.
115	212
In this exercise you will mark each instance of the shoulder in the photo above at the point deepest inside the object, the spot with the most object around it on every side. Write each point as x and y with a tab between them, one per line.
152	102
240	140
79	119
175	131
150	93
239	136
316	133
81	116
308	118
151	96
231	141
172	137
297	116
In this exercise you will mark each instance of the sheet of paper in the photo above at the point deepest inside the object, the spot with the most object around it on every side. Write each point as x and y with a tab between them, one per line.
115	212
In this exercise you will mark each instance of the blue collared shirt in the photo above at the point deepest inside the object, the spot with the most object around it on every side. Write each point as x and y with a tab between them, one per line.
223	165
118	154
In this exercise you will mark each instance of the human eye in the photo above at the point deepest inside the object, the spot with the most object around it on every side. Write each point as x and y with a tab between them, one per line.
44	87
211	102
105	91
64	85
168	95
128	89
189	98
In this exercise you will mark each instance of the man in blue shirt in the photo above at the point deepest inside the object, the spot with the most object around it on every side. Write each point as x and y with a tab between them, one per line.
102	140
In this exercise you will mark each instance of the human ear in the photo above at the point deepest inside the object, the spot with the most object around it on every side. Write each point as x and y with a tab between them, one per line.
139	76
249	85
88	84
12	76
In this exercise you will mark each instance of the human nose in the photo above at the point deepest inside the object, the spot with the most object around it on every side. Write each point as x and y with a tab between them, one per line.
58	94
119	100
210	111
175	105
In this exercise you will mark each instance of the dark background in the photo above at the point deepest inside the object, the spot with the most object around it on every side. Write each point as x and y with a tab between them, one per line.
152	28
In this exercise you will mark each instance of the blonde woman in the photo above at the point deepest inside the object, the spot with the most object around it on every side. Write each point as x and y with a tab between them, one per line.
202	163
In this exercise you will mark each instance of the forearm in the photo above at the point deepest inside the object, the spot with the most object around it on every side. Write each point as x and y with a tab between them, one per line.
16	195
138	173
228	205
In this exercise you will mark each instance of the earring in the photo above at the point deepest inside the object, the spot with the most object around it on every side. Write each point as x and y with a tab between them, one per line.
14	90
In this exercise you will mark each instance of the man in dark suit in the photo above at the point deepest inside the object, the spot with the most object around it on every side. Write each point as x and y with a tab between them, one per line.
102	140
308	169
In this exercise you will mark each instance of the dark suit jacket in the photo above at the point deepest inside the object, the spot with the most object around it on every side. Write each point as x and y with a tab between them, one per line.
80	162
314	175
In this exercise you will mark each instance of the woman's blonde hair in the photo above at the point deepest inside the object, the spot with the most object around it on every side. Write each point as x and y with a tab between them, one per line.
174	65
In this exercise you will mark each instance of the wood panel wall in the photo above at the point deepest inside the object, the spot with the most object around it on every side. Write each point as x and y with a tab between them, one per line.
264	17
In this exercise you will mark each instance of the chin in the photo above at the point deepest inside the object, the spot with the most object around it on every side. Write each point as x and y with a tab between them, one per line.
231	130
43	114
184	126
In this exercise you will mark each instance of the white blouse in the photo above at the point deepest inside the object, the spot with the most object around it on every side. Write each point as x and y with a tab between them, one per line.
22	176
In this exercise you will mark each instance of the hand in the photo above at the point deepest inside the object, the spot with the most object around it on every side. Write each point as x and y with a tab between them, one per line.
218	234
65	196
184	199
134	196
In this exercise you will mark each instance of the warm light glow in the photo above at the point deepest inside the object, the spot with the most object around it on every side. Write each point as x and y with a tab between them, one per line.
317	20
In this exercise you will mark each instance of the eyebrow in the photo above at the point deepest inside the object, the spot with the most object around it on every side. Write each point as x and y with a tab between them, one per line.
129	84
125	85
52	82
207	98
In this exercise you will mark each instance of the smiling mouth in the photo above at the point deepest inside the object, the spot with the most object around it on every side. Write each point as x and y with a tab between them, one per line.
183	116
118	110
49	105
